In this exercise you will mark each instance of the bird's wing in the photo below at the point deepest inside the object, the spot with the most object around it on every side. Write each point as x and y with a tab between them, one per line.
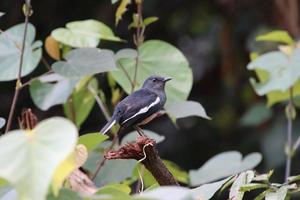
137	103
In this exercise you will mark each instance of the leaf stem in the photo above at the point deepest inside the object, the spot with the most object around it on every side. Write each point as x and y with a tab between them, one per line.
138	39
27	13
100	103
289	153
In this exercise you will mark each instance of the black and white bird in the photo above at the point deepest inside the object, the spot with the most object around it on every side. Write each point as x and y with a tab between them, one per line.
140	105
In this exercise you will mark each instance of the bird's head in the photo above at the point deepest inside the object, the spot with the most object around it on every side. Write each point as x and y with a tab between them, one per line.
155	83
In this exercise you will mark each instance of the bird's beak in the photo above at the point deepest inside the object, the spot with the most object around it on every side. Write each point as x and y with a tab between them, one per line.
167	79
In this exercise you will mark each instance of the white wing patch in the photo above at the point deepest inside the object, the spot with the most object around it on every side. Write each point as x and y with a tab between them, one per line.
144	110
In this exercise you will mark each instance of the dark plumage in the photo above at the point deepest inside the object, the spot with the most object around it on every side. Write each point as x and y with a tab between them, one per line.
139	105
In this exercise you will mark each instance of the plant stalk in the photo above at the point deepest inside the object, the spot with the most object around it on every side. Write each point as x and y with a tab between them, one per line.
18	82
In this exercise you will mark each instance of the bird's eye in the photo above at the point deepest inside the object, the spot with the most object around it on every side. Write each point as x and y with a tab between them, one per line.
154	80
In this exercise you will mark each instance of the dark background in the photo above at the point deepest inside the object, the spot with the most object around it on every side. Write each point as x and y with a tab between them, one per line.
216	36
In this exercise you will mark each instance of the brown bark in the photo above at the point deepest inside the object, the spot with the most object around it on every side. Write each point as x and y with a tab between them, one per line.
144	151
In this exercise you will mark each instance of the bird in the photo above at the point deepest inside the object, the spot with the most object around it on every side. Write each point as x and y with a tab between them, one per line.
140	105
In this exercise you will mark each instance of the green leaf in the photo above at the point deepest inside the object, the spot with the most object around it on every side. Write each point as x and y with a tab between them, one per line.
179	174
283	71
10	51
64	194
81	102
167	193
2	122
150	20
92	140
158	58
184	109
121	187
130	137
244	178
207	191
280	194
121	10
85	33
110	172
46	94
37	153
126	53
256	115
215	169
85	61
114	192
276	36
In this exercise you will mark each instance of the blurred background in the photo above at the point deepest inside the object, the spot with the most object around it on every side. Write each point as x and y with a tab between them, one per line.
216	36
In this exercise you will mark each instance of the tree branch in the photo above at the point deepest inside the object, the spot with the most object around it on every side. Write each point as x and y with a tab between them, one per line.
144	151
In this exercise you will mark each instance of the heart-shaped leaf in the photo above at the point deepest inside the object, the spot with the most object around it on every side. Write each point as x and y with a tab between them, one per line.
223	165
283	71
185	109
10	51
158	58
85	61
167	193
85	33
207	191
46	94
37	153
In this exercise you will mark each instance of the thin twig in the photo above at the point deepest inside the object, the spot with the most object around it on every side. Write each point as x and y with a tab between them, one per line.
289	137
127	75
101	164
100	103
33	79
18	82
138	39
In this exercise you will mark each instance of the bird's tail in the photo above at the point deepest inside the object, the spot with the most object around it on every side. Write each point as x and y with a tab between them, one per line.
108	125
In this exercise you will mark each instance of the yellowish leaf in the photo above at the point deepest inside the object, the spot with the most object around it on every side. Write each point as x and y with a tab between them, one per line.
121	10
62	171
52	48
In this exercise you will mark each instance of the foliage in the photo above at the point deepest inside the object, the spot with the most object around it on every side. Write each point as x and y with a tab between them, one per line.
46	155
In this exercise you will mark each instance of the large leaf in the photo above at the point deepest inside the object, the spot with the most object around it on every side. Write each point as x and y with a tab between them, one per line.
256	115
185	109
158	58
81	102
36	154
85	61
85	33
283	71
207	191
280	194
64	194
10	51
92	140
167	193
114	171
223	165
46	94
